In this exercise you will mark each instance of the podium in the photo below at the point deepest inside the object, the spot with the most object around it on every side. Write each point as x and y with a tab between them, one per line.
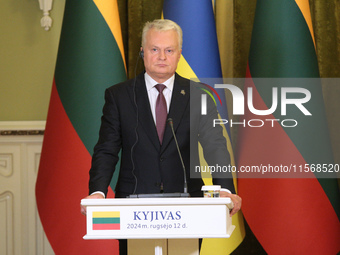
160	226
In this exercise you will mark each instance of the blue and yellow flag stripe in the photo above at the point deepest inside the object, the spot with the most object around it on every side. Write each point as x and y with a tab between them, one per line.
200	59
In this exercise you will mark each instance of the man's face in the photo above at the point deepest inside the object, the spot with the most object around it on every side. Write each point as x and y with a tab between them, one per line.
161	54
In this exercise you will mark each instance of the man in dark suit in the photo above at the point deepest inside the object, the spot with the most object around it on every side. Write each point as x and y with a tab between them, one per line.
131	119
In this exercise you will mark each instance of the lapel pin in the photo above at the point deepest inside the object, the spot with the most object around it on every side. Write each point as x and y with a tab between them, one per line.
183	92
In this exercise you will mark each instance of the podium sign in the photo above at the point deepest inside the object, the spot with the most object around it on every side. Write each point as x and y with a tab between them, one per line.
158	218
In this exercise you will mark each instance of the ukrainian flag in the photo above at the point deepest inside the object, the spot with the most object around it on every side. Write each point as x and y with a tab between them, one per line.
200	59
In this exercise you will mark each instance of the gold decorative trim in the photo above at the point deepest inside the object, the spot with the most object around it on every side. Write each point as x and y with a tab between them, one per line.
21	132
22	128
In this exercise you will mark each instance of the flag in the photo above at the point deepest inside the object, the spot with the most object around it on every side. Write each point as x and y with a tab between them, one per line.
287	215
90	59
200	59
106	220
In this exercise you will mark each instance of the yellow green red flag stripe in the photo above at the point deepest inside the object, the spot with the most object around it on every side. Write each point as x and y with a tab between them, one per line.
106	214
282	46
90	59
109	10
106	220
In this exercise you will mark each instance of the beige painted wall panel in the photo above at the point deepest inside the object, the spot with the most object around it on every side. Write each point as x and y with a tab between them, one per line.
27	59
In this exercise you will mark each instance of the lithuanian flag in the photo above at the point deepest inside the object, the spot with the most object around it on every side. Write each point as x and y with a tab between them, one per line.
200	59
288	215
90	59
106	220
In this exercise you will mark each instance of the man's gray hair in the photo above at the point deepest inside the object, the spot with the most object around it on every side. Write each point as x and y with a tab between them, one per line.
163	25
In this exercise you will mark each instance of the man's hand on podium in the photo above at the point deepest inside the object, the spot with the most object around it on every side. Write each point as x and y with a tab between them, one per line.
237	201
93	196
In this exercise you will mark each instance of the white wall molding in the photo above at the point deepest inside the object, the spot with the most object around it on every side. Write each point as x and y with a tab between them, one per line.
20	149
46	7
6	164
6	223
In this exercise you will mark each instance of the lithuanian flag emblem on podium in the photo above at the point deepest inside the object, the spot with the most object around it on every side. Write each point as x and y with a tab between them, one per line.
106	220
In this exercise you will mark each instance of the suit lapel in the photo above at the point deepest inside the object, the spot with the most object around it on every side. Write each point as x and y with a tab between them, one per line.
179	103
144	111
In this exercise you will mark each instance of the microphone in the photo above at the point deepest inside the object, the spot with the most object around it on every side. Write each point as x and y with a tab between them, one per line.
171	124
165	195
